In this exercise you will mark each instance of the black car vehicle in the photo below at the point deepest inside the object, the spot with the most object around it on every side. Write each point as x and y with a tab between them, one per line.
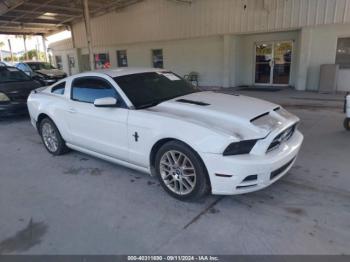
43	72
15	87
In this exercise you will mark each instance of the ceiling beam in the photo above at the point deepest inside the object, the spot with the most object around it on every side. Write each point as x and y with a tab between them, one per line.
60	7
58	13
13	32
42	22
7	8
29	17
47	2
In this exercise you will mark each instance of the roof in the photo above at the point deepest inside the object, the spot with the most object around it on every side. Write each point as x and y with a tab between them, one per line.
49	16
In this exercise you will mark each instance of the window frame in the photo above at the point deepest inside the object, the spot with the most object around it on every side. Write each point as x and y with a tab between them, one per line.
345	66
120	101
126	56
60	63
152	57
108	59
56	85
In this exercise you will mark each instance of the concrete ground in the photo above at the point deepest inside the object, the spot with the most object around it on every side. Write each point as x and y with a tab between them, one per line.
76	204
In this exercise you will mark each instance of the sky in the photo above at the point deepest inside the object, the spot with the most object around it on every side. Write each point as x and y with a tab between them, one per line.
32	41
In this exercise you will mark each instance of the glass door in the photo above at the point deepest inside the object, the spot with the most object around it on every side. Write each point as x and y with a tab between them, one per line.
263	63
282	62
273	63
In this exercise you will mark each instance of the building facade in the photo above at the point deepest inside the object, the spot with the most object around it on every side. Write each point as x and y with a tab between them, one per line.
228	42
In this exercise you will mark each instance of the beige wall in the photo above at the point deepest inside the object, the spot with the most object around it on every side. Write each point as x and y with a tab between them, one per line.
323	43
155	20
203	55
217	37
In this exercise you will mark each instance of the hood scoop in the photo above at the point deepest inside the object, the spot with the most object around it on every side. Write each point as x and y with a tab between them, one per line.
198	103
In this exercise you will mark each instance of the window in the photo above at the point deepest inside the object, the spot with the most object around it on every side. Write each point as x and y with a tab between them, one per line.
122	58
59	88
12	74
102	61
59	63
87	89
23	67
148	89
71	61
343	53
157	58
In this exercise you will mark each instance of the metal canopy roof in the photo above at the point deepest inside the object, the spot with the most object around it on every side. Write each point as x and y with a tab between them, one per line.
48	16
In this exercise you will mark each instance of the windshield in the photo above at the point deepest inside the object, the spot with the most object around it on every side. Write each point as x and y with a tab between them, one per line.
12	74
149	89
40	66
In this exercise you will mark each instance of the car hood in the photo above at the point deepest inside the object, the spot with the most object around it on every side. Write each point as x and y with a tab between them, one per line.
16	90
51	72
231	114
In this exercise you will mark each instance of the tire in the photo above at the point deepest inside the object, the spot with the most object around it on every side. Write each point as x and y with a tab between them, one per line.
52	138
188	178
347	124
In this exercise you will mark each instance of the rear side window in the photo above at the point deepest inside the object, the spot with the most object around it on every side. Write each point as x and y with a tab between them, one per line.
87	89
12	74
59	88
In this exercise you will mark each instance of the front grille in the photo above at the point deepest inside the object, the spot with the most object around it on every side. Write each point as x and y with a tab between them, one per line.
282	137
279	171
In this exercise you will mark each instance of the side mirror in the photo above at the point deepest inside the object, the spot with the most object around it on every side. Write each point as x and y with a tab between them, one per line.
28	73
105	102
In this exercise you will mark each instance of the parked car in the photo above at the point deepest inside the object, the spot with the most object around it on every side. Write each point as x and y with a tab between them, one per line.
3	63
156	122
347	112
15	86
43	72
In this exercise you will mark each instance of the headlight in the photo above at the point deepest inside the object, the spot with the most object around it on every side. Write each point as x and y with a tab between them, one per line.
240	148
4	98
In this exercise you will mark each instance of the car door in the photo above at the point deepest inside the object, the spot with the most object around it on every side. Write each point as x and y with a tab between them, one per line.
99	129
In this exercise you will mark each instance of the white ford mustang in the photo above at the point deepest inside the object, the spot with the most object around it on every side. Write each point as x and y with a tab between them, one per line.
154	121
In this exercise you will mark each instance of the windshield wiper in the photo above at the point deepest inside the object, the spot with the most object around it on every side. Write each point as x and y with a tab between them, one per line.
152	104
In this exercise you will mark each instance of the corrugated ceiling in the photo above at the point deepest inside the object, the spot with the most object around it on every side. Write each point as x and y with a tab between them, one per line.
48	16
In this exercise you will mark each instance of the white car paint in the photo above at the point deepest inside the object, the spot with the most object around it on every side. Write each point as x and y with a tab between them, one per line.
108	132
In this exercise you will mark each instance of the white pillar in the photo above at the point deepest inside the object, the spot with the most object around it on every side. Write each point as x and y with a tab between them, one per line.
44	46
230	56
227	54
25	47
88	33
10	47
304	58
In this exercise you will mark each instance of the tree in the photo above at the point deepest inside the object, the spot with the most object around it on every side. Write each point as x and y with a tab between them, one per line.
32	55
2	44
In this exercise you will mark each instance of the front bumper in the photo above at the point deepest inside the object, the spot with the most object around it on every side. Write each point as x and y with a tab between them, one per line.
13	109
231	175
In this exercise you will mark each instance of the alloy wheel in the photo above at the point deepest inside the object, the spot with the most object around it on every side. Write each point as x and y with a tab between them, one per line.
177	172
50	137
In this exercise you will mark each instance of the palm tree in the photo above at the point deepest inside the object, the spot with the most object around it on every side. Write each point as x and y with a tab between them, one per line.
2	44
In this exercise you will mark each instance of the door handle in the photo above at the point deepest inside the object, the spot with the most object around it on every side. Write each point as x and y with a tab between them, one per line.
72	110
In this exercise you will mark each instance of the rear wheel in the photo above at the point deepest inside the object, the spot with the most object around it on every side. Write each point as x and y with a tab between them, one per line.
52	138
347	124
181	172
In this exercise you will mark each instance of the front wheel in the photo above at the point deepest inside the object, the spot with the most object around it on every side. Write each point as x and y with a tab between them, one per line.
52	138
347	124
181	172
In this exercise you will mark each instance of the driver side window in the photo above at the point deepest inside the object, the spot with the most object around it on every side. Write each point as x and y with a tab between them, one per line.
88	89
